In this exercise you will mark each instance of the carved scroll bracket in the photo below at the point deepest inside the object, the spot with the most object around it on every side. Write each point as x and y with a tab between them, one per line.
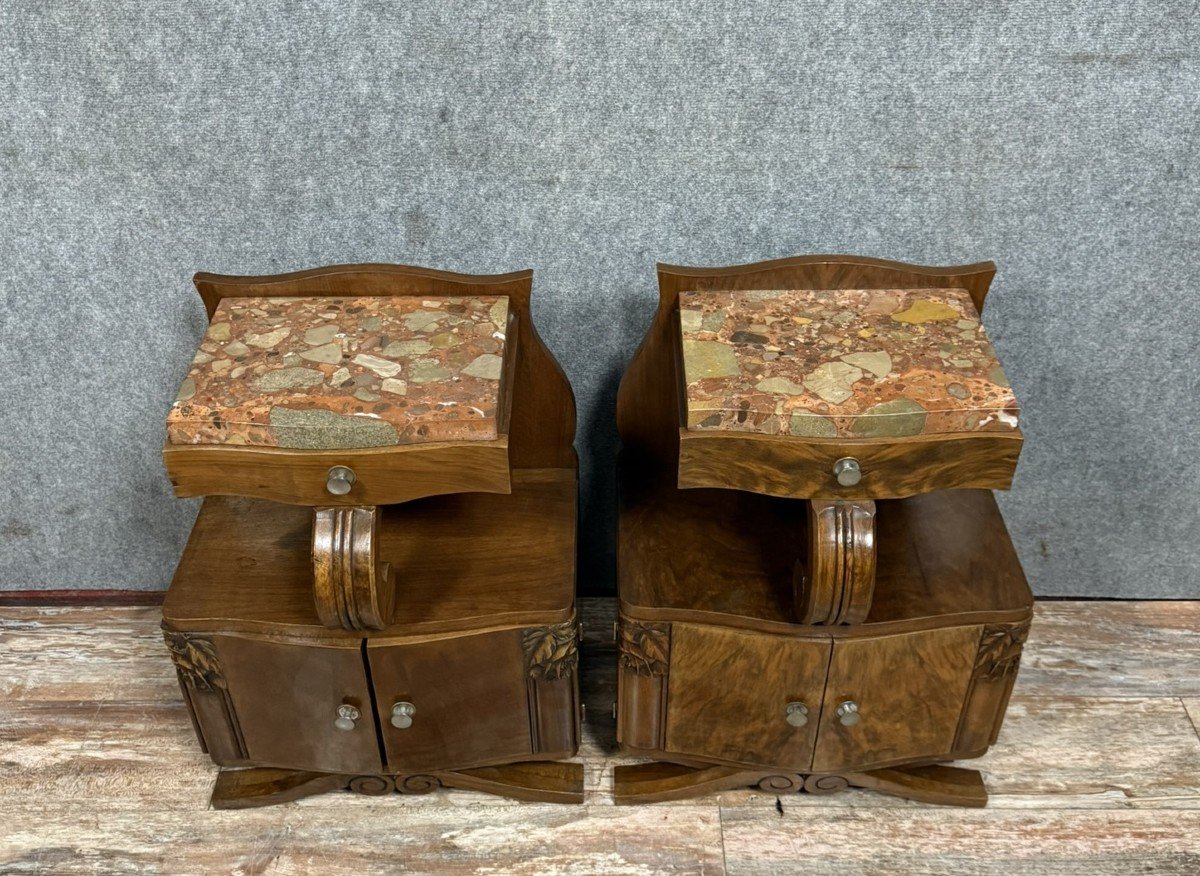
835	582
352	589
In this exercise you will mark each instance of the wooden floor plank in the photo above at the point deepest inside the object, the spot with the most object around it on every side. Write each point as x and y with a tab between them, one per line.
82	653
959	841
379	837
1113	649
1192	704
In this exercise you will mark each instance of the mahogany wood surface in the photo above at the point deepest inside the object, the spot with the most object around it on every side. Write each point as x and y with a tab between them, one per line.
383	475
462	562
835	582
352	590
541	418
649	397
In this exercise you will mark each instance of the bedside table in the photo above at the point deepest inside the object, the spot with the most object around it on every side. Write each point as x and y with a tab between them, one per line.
378	593
817	589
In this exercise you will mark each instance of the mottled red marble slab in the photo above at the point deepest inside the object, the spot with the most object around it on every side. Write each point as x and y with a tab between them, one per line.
337	373
841	363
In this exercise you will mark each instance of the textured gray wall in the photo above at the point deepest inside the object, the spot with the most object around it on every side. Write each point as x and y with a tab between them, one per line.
141	141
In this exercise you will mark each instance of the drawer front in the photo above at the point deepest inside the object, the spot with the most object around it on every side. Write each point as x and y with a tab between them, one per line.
729	693
468	699
901	697
285	699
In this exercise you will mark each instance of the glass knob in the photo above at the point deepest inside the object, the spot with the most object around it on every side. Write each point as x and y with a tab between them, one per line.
346	716
847	471
797	714
402	715
339	480
848	714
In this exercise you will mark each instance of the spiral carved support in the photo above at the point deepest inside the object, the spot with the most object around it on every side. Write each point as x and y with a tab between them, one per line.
836	580
352	589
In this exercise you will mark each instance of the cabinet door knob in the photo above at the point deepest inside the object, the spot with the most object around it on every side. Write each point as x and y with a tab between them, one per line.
797	714
339	480
402	715
847	471
848	714
346	716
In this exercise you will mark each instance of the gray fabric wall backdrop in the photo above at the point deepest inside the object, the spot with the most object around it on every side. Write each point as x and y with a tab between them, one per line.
142	141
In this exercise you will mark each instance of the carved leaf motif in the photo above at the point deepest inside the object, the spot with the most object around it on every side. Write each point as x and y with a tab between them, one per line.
645	648
196	660
1000	650
551	652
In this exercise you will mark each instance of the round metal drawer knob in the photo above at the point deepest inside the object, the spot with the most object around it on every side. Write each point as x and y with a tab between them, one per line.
848	714
346	716
797	714
339	480
847	471
402	715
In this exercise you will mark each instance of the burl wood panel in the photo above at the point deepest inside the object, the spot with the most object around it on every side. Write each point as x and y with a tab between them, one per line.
909	689
471	700
286	698
729	691
802	468
714	556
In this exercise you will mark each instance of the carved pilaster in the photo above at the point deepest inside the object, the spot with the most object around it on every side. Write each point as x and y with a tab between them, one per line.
207	695
996	664
645	648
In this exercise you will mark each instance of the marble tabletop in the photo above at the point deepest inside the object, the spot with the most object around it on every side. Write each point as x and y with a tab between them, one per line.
841	363
337	373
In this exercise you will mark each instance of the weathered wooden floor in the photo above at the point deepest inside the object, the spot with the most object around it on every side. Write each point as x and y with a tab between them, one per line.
1097	771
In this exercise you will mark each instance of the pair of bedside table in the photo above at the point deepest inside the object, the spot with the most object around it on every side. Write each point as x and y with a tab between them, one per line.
816	586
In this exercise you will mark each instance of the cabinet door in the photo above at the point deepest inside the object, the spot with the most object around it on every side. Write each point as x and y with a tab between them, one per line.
286	699
908	690
729	690
469	696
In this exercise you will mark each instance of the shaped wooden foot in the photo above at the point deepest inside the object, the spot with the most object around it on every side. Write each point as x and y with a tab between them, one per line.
658	782
545	782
